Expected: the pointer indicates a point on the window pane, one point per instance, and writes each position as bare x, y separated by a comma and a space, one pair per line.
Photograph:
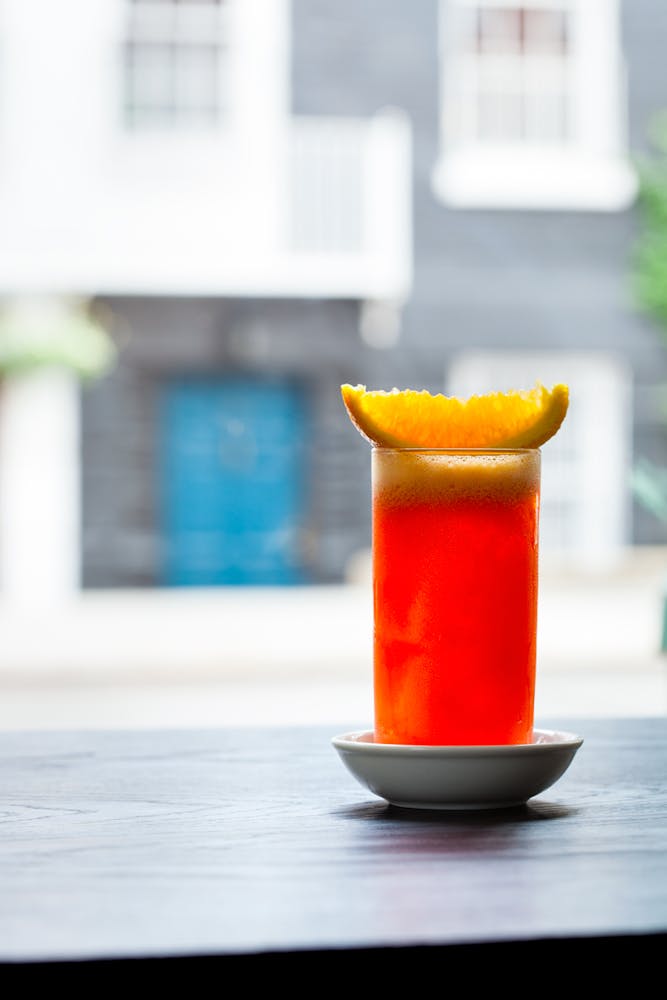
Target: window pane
547, 99
511, 78
180, 3
197, 77
500, 100
499, 30
149, 118
500, 117
546, 31
546, 118
149, 76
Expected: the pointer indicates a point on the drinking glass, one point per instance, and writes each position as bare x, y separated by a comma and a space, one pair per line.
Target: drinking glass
455, 589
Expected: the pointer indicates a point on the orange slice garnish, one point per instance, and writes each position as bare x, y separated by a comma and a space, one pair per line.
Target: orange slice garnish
415, 418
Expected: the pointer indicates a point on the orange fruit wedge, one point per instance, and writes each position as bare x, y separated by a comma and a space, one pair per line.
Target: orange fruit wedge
411, 418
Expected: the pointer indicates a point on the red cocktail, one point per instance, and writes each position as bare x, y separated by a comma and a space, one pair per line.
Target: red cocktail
455, 580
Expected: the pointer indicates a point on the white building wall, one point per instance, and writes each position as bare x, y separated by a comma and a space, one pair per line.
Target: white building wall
39, 488
89, 206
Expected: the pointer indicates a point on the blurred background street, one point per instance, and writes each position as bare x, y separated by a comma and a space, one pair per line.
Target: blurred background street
215, 212
303, 655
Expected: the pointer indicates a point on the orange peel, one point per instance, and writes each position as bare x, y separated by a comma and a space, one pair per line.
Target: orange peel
415, 418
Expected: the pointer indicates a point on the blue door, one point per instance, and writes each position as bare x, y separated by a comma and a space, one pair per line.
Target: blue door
232, 482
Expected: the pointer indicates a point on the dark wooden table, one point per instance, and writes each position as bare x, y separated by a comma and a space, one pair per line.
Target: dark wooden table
170, 852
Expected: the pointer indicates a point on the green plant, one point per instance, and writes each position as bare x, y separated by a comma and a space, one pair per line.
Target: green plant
650, 268
649, 276
38, 334
649, 484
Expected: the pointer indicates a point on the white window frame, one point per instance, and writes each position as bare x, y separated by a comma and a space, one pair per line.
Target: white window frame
256, 94
588, 172
174, 30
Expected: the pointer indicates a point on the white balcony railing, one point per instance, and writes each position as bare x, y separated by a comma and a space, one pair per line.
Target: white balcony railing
315, 206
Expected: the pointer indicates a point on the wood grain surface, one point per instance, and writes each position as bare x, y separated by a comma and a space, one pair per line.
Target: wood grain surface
247, 844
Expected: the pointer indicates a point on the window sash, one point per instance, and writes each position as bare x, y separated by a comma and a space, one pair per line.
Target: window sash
511, 95
175, 63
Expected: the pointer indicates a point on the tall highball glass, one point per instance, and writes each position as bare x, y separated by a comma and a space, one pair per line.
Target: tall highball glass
455, 588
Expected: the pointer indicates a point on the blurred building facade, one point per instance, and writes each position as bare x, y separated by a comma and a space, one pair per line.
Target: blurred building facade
268, 198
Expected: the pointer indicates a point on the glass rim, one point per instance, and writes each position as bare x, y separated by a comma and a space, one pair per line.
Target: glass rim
383, 449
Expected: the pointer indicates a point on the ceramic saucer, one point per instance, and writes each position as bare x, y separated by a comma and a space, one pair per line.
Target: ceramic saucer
458, 777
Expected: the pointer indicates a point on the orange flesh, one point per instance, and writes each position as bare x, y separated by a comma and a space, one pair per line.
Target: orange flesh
410, 418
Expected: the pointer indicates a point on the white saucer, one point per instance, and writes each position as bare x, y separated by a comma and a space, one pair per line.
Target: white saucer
457, 777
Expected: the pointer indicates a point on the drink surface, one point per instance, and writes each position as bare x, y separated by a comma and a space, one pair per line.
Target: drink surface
455, 549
